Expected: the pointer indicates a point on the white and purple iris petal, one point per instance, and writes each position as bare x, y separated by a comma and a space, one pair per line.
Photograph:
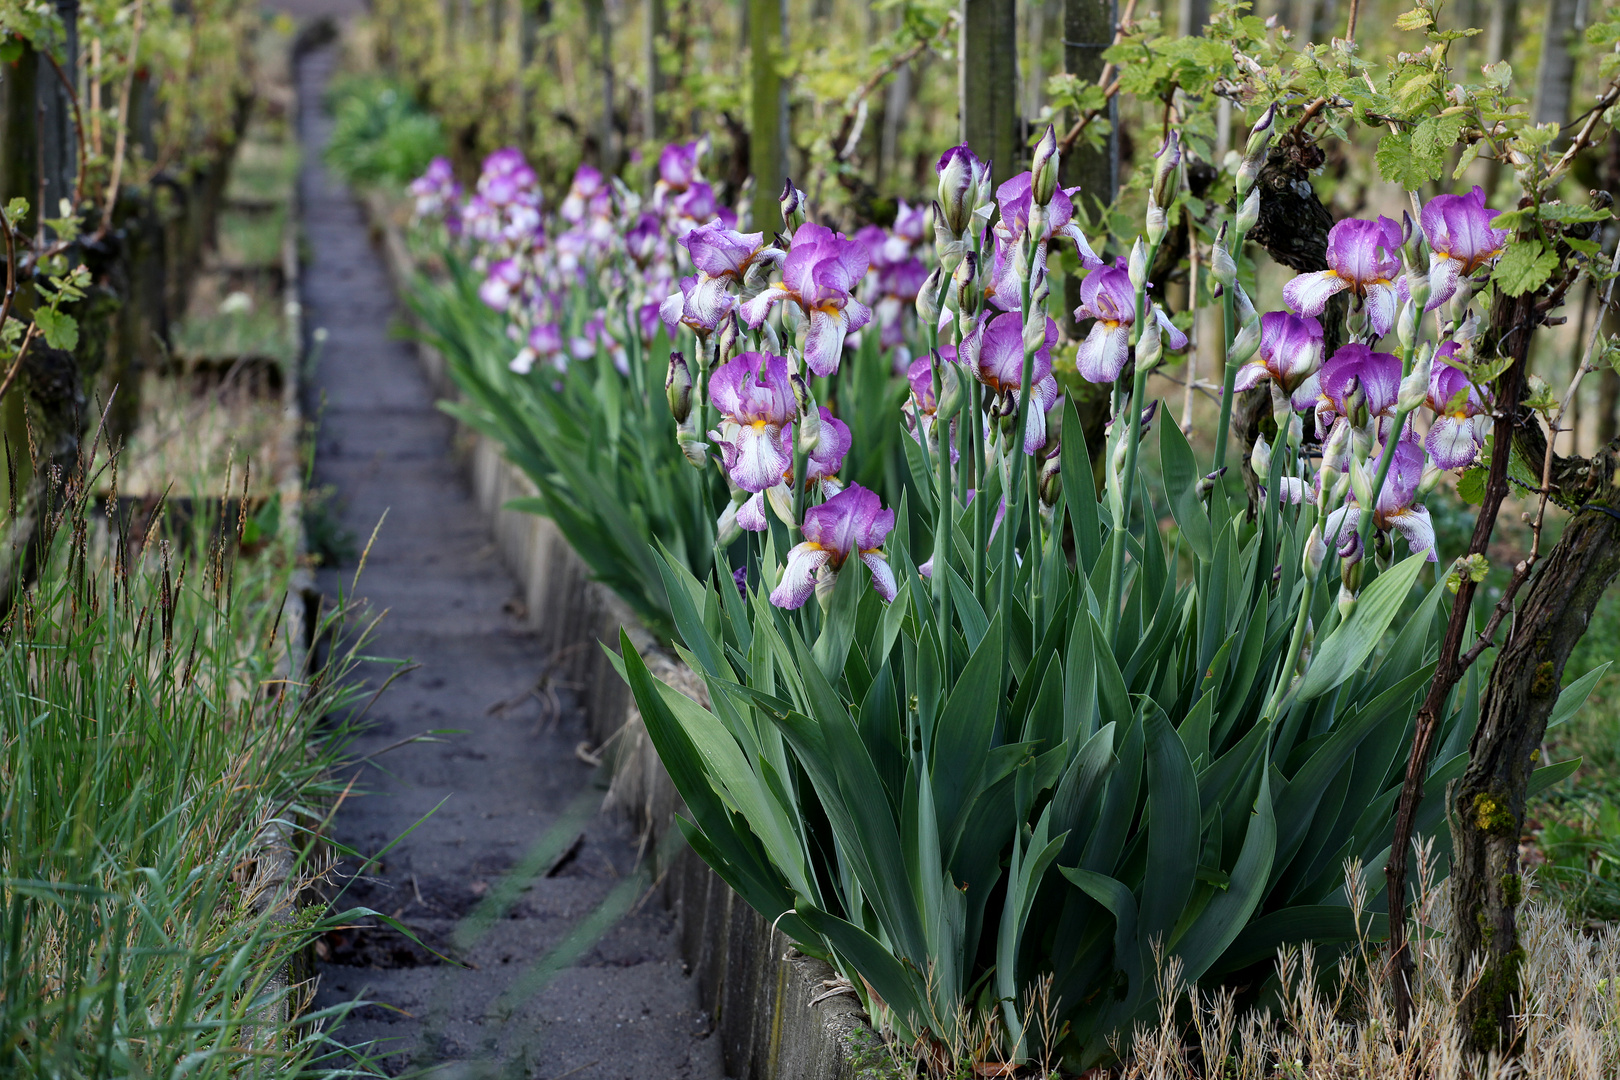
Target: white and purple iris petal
1461, 240
755, 399
1363, 257
1290, 353
819, 274
1352, 366
853, 522
1460, 413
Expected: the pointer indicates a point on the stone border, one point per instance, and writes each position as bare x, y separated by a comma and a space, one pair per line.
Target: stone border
759, 989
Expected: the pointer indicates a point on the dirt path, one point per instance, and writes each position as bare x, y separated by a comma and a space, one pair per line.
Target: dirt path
507, 789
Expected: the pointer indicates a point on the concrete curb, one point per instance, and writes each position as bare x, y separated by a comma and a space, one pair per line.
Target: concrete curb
758, 988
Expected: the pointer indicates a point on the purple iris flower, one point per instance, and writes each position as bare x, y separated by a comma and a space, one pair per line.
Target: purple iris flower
508, 178
1396, 510
718, 252
1016, 197
1362, 256
923, 405
587, 195
911, 223
1108, 296
694, 206
853, 522
898, 285
755, 400
1461, 413
1353, 366
1461, 240
701, 304
1290, 354
677, 165
820, 468
819, 274
641, 241
502, 285
647, 320
994, 355
544, 343
436, 190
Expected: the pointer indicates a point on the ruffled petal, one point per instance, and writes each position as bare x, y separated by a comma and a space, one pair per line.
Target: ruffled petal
1414, 524
1382, 304
824, 344
751, 514
758, 460
856, 315
799, 576
1088, 257
1308, 294
1341, 529
1444, 273
1174, 339
882, 574
1451, 442
755, 310
1103, 354
1251, 375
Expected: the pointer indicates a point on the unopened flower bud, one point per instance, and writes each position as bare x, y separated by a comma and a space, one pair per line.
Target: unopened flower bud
1206, 483
1350, 571
1315, 554
1361, 483
730, 339
773, 343
1149, 347
693, 448
726, 530
1415, 387
802, 397
1418, 285
1248, 213
1338, 445
1222, 266
1260, 458
1245, 345
1138, 265
807, 432
1156, 222
1050, 484
928, 299
1254, 153
951, 391
962, 278
1044, 168
792, 202
1406, 324
1347, 601
958, 186
1244, 307
678, 387
1431, 479
1167, 160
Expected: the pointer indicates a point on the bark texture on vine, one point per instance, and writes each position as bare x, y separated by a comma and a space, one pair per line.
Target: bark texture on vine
1488, 803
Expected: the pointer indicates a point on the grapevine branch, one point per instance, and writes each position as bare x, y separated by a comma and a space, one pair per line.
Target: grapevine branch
1107, 79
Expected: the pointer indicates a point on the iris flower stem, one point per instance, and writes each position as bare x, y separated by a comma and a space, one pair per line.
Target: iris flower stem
1302, 618
942, 507
1228, 378
980, 541
1009, 524
1387, 458
1132, 415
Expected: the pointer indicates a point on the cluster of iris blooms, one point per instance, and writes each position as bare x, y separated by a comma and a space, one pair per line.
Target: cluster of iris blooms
765, 314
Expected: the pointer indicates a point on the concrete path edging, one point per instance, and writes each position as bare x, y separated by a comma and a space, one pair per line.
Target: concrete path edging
758, 988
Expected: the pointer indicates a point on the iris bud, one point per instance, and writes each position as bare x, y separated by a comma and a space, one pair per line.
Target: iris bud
1406, 323
958, 183
1260, 458
1248, 213
1244, 307
792, 202
802, 397
730, 339
1254, 154
1149, 348
807, 432
1415, 387
1315, 554
1222, 266
1347, 601
1138, 265
1157, 224
928, 299
1044, 168
1245, 345
1431, 478
1361, 484
1050, 484
1164, 169
726, 530
678, 387
950, 390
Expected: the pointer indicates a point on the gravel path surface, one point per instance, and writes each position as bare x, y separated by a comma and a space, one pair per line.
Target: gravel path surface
506, 789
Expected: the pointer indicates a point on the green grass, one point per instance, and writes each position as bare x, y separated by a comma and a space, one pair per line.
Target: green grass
252, 238
155, 730
379, 133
